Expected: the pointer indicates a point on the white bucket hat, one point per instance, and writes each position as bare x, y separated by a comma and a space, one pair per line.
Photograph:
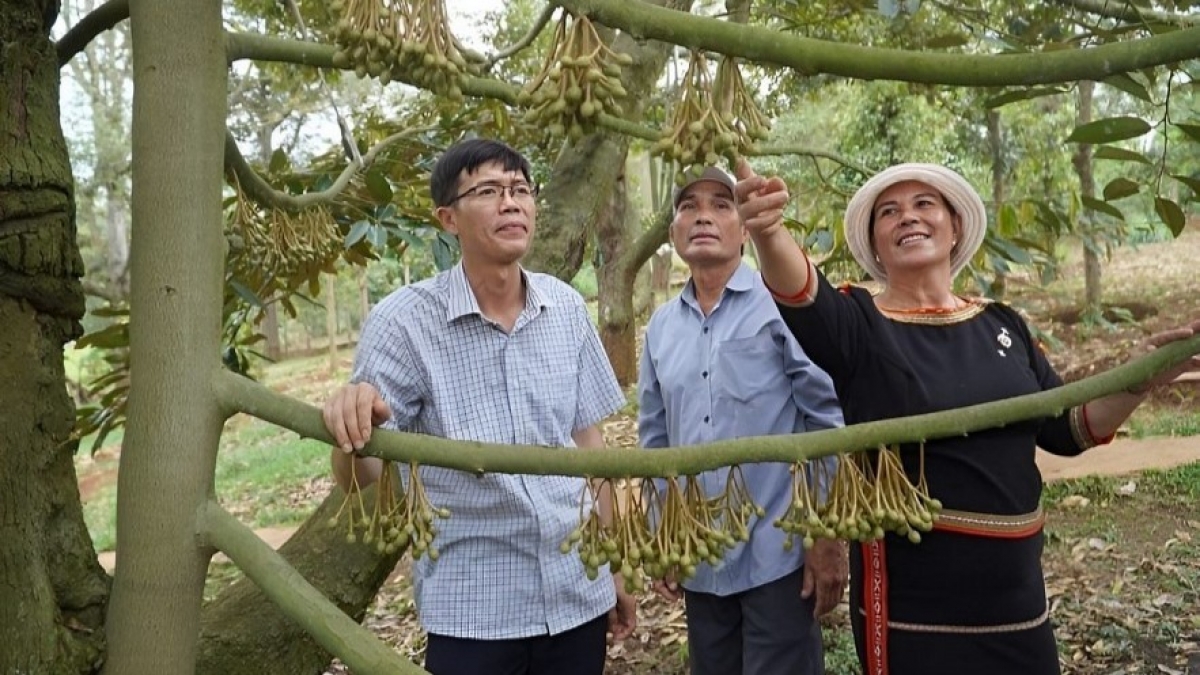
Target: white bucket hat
954, 188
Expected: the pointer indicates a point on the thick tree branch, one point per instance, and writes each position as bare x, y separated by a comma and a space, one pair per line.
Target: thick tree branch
1125, 11
239, 394
812, 57
81, 34
258, 189
648, 241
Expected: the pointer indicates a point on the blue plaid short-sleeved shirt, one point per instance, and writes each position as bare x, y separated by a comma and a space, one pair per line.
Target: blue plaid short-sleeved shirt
446, 370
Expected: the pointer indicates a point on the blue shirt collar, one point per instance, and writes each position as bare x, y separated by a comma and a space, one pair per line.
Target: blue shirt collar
742, 280
461, 299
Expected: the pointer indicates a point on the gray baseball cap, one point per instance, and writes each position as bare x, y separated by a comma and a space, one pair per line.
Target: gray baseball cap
696, 175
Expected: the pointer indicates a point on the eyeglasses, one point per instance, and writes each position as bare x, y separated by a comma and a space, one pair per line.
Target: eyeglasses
494, 192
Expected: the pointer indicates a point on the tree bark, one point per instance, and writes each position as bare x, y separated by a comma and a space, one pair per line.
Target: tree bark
174, 426
1087, 188
331, 322
242, 633
52, 590
995, 136
270, 313
616, 316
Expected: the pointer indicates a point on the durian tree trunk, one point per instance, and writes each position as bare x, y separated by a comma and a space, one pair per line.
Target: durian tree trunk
52, 590
624, 251
617, 323
174, 423
995, 138
1087, 187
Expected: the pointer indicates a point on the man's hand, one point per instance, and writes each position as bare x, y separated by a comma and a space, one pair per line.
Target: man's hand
668, 588
351, 413
622, 618
826, 570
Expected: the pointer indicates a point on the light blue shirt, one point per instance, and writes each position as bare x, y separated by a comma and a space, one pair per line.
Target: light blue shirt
445, 370
737, 372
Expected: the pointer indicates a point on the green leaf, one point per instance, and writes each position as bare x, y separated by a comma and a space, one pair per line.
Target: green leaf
279, 161
378, 236
409, 237
357, 232
110, 311
1103, 207
947, 41
1193, 183
1171, 214
245, 293
1119, 188
1109, 152
1109, 130
1011, 252
1009, 222
110, 337
444, 249
1192, 130
1019, 95
323, 182
1128, 85
378, 186
1049, 217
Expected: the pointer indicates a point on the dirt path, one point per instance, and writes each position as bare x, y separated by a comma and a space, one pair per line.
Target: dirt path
1121, 457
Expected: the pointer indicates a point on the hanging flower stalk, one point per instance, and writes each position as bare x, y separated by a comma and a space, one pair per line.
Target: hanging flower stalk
579, 80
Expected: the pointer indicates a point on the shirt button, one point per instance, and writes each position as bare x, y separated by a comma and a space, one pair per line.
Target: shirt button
706, 330
704, 374
706, 419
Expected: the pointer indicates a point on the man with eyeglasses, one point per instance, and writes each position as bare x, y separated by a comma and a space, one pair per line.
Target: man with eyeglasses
487, 351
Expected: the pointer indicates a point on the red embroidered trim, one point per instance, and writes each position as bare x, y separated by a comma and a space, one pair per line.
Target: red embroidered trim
1088, 426
875, 598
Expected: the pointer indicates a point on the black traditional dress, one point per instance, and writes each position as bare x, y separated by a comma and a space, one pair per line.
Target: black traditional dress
970, 596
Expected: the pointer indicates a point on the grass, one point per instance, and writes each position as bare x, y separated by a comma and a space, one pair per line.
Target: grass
263, 473
1149, 422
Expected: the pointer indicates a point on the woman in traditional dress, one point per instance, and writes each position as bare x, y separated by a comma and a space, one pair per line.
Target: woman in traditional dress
970, 596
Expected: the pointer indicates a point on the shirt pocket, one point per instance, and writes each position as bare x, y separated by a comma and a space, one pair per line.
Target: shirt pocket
748, 368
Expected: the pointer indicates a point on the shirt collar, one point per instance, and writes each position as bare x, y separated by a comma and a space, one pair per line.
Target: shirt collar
742, 280
461, 299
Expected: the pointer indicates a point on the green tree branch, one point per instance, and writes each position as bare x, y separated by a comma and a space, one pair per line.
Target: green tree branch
1127, 11
77, 38
257, 188
239, 394
812, 57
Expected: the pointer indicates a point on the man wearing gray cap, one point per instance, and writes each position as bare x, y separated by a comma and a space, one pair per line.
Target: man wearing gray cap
719, 363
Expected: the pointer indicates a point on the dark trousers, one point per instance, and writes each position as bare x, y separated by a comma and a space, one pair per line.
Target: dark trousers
768, 630
579, 651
